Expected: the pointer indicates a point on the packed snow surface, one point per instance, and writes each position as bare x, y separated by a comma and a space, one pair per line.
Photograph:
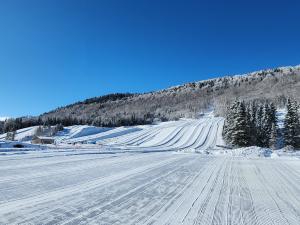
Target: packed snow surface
22, 134
171, 173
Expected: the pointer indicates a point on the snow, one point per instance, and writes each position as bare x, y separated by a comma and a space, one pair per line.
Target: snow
22, 134
9, 147
280, 114
170, 173
80, 131
3, 118
74, 187
104, 134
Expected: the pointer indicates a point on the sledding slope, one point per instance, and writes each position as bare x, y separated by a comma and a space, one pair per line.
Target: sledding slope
186, 135
71, 132
22, 134
193, 135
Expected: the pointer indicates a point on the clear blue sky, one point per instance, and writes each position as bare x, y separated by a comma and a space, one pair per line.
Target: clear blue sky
55, 52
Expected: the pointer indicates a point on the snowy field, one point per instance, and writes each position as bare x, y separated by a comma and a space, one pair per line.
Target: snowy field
174, 173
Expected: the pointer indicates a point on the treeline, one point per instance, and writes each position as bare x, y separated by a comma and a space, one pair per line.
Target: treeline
102, 99
106, 98
11, 125
113, 121
255, 124
47, 131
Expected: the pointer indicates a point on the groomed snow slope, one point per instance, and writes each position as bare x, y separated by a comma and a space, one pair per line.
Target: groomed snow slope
22, 134
89, 187
68, 133
188, 135
149, 175
195, 135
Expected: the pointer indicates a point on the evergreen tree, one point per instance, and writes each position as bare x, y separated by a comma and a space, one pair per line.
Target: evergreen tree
273, 113
267, 123
291, 124
273, 137
10, 136
229, 126
252, 123
240, 127
38, 131
259, 125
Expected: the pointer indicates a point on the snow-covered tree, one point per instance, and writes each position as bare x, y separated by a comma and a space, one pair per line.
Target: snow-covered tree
291, 124
229, 122
240, 127
38, 131
267, 123
273, 137
10, 136
250, 124
259, 125
252, 108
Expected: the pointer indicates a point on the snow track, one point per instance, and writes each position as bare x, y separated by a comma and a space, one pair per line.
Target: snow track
185, 135
148, 188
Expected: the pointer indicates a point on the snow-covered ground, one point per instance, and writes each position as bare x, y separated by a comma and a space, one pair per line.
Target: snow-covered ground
170, 173
194, 135
89, 187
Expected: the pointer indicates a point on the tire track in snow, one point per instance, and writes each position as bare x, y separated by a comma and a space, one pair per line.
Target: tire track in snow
246, 201
151, 205
72, 190
221, 207
275, 213
85, 165
19, 189
200, 198
98, 207
289, 202
207, 202
174, 210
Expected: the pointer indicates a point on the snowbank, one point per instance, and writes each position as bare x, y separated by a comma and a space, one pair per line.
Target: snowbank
10, 146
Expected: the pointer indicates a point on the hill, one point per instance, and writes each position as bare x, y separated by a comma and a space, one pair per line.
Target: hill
186, 100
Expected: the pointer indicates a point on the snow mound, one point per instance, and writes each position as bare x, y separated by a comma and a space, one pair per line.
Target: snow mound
79, 131
23, 135
12, 146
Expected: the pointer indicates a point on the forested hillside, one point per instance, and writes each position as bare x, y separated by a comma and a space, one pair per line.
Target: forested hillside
186, 100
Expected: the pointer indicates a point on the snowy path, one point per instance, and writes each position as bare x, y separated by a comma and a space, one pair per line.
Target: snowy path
57, 187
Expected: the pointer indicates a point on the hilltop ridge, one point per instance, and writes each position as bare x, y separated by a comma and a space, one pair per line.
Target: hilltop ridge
186, 100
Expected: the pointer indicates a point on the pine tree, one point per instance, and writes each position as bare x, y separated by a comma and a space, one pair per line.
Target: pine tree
38, 131
291, 124
273, 137
259, 125
10, 136
252, 123
228, 126
240, 127
268, 120
273, 113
